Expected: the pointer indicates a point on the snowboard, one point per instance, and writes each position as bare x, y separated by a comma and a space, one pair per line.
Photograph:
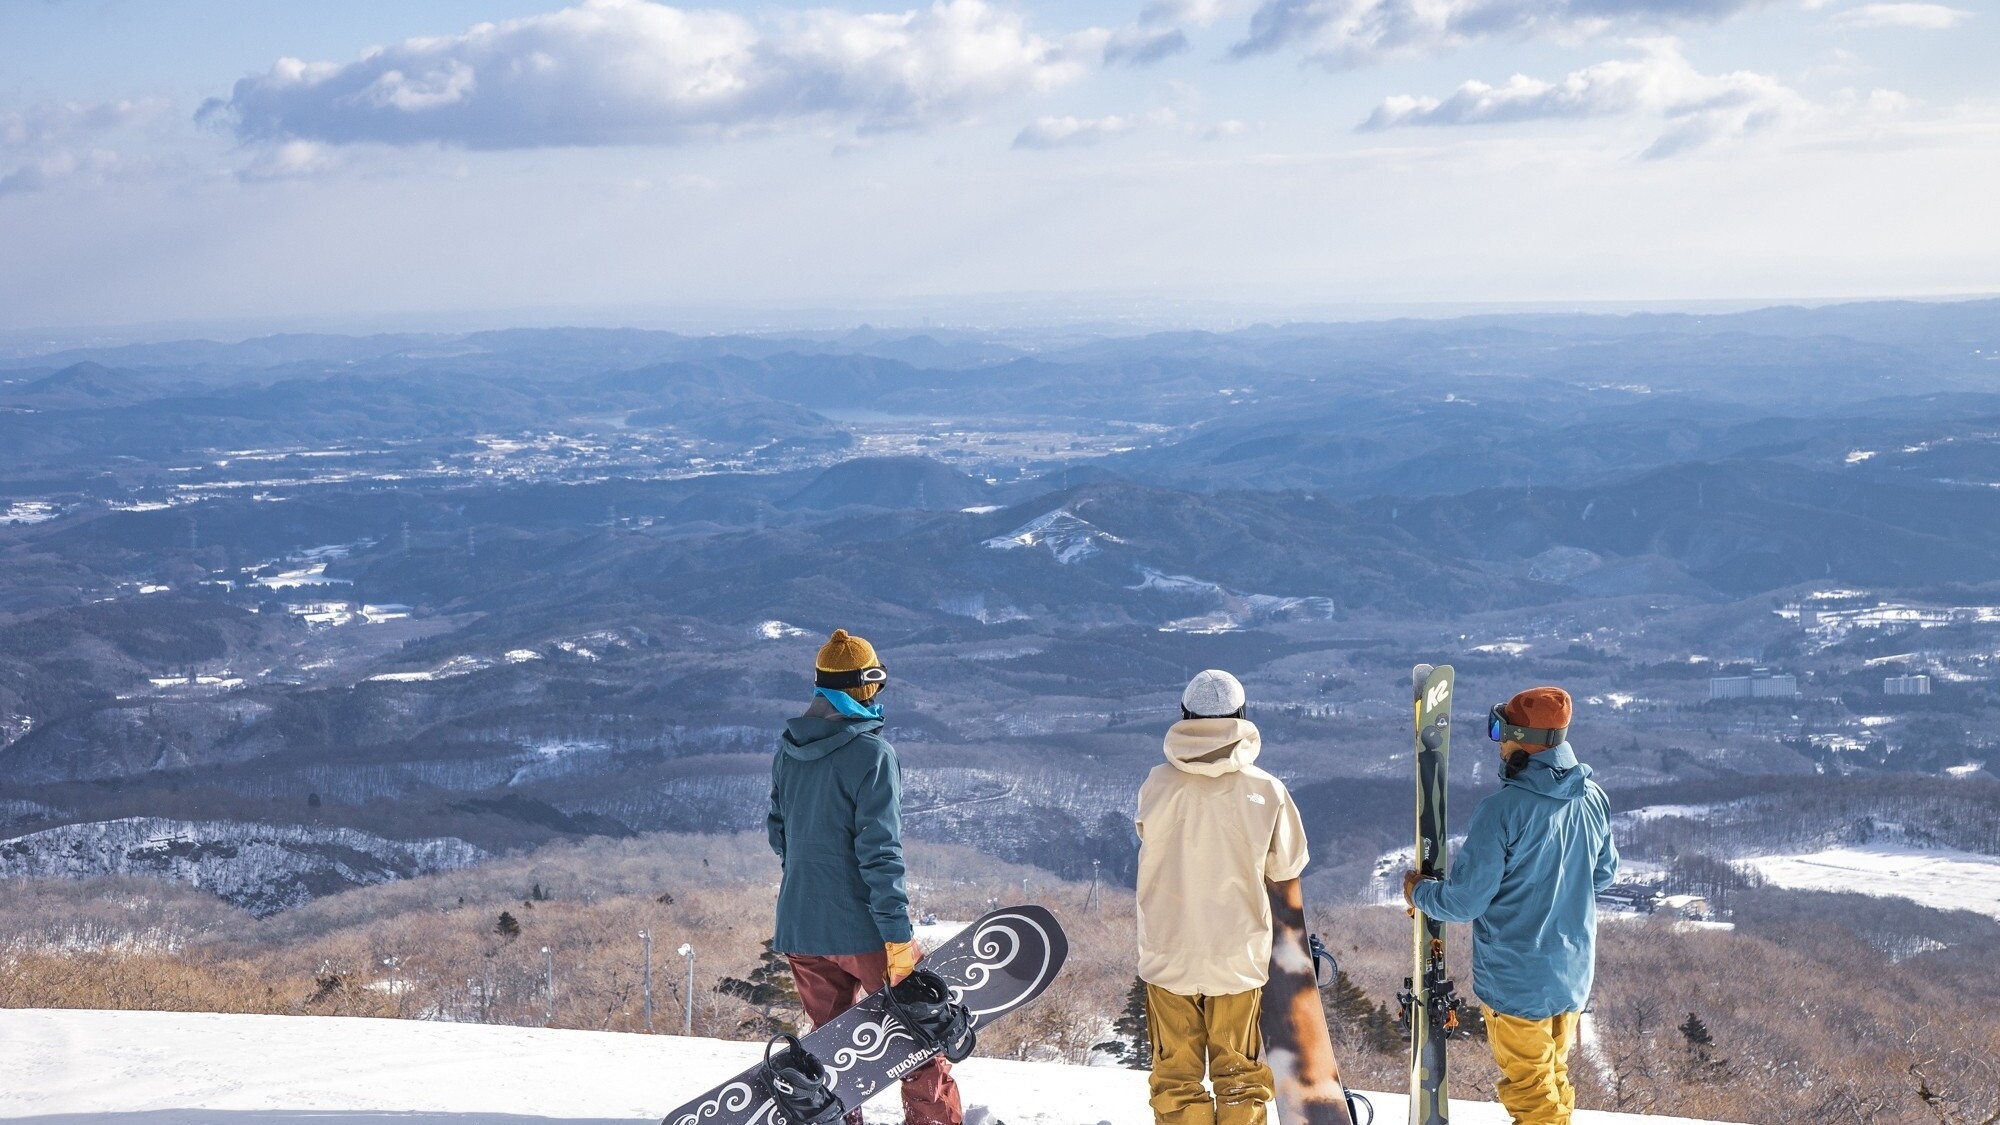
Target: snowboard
1430, 1004
993, 966
1297, 1045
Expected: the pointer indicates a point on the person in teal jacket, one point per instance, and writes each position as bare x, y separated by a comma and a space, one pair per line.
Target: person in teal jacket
836, 823
1535, 856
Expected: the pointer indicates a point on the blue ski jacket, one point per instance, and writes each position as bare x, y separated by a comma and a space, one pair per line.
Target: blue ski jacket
836, 823
1527, 878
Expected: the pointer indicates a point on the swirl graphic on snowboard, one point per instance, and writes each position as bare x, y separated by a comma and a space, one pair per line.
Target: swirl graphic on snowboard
993, 966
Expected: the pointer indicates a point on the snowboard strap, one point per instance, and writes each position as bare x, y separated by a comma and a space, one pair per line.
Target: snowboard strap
797, 1083
922, 1003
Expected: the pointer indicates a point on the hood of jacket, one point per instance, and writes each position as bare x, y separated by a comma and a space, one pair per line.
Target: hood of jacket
811, 737
1554, 773
1212, 747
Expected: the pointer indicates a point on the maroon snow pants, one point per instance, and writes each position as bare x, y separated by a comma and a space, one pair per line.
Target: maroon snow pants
830, 985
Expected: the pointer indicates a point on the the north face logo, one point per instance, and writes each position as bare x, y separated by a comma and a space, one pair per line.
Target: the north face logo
1257, 798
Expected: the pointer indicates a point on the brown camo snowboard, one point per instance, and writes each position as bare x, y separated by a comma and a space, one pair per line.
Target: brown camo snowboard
1297, 1045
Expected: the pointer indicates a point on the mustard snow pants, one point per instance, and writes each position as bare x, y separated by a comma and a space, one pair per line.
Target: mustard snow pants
1534, 1066
1212, 1036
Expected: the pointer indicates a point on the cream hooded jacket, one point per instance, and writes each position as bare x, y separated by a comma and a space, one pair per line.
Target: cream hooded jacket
1212, 829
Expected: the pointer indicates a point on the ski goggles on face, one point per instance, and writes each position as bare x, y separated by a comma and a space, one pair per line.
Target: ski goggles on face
859, 677
1500, 730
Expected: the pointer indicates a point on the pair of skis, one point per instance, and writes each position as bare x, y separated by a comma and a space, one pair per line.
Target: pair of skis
1430, 1002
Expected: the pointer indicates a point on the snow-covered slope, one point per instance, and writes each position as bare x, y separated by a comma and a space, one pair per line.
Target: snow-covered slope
261, 867
1936, 877
164, 1068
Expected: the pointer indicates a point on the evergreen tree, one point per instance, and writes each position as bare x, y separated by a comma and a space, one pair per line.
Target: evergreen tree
1346, 1001
1696, 1033
508, 926
1133, 1046
539, 895
1385, 1032
1701, 1059
1378, 1028
768, 988
312, 800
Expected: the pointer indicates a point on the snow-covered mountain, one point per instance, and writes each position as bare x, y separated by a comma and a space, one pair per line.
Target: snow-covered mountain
261, 867
169, 1068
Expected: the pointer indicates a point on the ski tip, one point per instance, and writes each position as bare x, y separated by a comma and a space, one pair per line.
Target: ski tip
1418, 675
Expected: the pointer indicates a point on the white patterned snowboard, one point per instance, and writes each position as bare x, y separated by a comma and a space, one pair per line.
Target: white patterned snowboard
993, 966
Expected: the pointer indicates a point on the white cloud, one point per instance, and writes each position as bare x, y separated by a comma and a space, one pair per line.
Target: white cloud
291, 160
616, 72
1918, 17
1068, 132
61, 169
1345, 33
1140, 43
1201, 13
1696, 109
58, 144
47, 124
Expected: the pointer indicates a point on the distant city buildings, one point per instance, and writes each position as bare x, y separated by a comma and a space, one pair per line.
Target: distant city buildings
1761, 683
1906, 685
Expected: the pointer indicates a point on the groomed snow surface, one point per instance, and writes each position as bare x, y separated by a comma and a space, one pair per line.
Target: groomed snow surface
170, 1068
1934, 877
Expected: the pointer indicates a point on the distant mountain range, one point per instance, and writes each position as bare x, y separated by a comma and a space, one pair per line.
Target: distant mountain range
512, 587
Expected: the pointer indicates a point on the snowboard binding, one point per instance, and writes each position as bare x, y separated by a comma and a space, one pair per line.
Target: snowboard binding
922, 1003
1325, 968
797, 1082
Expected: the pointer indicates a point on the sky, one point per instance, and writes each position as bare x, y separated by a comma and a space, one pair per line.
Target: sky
380, 163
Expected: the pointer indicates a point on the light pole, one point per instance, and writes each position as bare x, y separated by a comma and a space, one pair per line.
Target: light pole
549, 980
646, 938
687, 1021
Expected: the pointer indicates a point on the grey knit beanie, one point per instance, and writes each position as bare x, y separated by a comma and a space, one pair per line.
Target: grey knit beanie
1213, 694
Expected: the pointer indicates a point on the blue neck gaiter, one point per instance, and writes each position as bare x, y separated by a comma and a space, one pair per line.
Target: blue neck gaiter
848, 706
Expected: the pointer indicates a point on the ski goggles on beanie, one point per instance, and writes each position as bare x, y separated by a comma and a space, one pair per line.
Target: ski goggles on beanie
1499, 729
858, 677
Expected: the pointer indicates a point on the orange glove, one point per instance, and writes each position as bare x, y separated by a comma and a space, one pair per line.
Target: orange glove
903, 956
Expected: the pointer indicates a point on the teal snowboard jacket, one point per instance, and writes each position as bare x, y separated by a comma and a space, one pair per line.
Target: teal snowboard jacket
836, 823
1527, 878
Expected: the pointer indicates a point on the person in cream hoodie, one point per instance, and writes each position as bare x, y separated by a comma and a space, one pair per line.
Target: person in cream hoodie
1213, 829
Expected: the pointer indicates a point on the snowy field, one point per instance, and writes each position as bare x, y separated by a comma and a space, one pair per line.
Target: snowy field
1934, 877
165, 1068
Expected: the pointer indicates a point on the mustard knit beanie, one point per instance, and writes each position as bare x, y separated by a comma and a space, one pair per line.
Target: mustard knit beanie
844, 652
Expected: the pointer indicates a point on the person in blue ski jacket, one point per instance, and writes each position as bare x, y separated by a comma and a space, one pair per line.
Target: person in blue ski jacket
1535, 856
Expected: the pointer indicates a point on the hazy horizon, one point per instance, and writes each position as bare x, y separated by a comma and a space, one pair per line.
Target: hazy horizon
1025, 315
319, 164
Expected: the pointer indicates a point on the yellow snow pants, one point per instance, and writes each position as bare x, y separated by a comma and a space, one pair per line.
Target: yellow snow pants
1212, 1036
1534, 1066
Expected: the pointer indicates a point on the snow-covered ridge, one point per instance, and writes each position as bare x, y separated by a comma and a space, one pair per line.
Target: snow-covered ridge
197, 1069
1236, 608
261, 867
1068, 536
